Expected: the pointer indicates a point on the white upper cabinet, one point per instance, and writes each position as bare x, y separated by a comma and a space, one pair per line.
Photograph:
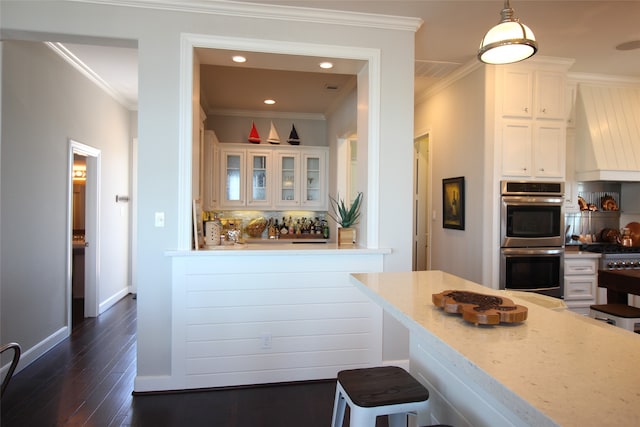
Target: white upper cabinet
550, 95
517, 95
287, 194
533, 150
273, 177
533, 94
233, 179
302, 179
314, 183
210, 171
549, 145
516, 148
259, 182
531, 121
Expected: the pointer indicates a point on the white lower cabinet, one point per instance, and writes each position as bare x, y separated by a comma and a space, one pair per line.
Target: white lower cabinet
580, 282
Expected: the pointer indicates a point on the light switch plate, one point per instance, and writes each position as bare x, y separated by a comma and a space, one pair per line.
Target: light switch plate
159, 219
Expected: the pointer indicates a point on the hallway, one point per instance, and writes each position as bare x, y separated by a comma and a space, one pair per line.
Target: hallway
88, 380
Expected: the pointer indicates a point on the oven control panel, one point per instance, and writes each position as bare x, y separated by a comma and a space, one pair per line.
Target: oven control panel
620, 263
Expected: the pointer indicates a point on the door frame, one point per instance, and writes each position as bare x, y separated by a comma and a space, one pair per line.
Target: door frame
92, 227
422, 215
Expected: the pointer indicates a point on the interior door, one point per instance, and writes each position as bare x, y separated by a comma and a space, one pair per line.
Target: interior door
422, 203
91, 226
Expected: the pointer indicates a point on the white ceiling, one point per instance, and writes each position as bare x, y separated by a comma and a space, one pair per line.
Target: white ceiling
587, 31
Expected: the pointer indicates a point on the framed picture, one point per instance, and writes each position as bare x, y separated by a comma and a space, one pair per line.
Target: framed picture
453, 203
198, 232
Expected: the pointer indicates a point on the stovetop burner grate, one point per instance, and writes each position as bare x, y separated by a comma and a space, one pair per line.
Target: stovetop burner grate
608, 248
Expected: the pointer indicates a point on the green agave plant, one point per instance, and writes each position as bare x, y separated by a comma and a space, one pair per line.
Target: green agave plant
343, 215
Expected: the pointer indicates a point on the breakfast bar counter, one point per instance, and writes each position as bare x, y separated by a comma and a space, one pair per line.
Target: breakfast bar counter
555, 368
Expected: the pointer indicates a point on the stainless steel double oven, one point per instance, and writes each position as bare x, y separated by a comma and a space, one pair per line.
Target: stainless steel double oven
532, 237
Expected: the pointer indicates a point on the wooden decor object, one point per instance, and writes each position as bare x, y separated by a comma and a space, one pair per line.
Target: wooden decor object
480, 308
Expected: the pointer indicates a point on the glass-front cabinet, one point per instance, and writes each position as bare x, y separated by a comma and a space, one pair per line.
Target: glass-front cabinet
259, 184
288, 182
314, 192
273, 178
233, 177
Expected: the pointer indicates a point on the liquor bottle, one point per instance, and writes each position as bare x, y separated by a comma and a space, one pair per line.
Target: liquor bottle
325, 229
283, 228
291, 226
272, 228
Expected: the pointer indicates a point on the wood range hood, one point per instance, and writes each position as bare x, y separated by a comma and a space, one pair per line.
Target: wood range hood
607, 133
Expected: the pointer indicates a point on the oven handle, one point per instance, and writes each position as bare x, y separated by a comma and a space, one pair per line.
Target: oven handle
532, 200
532, 251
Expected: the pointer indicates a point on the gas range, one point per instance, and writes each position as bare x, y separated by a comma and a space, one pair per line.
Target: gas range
615, 257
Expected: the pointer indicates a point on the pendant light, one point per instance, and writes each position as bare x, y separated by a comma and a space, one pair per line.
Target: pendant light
509, 41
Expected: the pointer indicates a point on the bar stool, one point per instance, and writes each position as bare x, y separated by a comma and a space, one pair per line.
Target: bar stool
370, 392
622, 315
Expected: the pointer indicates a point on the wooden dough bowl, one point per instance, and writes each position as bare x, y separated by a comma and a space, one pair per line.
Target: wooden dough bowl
480, 308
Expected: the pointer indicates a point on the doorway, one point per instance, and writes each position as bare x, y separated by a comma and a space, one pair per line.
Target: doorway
421, 203
83, 235
78, 210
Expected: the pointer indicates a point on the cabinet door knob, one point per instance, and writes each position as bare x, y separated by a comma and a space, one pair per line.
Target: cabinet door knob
544, 110
526, 109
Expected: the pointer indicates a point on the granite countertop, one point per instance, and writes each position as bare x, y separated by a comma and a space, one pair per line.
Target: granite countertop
572, 369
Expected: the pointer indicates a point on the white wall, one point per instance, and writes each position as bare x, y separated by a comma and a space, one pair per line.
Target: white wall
160, 121
456, 118
46, 102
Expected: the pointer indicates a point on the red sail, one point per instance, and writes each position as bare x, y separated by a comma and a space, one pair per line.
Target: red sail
254, 137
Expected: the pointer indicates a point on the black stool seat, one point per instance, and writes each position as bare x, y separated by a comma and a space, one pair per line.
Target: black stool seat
381, 386
620, 310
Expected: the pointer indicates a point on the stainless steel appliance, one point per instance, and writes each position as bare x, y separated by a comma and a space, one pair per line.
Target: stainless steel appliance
539, 270
615, 256
531, 214
532, 237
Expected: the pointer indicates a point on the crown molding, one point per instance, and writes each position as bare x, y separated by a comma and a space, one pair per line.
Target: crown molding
266, 114
262, 11
603, 79
86, 71
456, 75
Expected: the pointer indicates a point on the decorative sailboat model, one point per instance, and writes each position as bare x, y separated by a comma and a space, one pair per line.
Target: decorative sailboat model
254, 137
293, 136
273, 138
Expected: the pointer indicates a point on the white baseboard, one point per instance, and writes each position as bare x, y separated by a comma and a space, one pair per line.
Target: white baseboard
28, 356
110, 302
143, 384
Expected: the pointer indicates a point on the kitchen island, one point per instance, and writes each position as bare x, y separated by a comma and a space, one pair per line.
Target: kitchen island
555, 368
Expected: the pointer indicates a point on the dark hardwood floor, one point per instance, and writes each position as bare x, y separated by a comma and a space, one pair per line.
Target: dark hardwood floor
88, 380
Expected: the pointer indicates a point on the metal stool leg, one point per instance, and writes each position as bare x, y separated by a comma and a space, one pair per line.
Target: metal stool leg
398, 420
339, 406
14, 363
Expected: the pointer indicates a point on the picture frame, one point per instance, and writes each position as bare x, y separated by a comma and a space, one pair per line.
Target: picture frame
453, 203
198, 226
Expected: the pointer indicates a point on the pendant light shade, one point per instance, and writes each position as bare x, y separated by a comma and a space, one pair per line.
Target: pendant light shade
509, 41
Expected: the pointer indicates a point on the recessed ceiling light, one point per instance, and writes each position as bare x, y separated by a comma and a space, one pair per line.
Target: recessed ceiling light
634, 44
326, 65
239, 59
269, 101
